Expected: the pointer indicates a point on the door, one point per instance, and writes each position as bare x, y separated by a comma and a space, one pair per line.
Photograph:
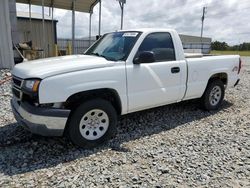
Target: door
159, 82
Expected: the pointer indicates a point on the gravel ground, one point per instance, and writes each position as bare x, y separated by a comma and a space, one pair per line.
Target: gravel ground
172, 146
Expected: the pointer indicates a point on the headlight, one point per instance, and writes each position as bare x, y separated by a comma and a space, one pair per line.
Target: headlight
31, 85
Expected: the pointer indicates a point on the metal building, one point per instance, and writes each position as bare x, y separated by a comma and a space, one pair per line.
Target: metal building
73, 5
31, 29
195, 44
9, 27
6, 52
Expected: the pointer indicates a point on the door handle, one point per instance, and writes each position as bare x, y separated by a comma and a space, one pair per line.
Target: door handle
175, 70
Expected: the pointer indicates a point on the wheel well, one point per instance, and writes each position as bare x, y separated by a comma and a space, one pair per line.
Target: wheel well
221, 76
107, 94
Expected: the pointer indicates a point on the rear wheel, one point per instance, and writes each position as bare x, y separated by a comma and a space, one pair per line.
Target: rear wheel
213, 95
92, 123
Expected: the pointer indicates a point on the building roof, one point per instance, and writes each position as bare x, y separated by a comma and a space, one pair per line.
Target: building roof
194, 39
80, 5
38, 16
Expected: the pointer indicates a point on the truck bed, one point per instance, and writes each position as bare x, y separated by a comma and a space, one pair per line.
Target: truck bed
200, 69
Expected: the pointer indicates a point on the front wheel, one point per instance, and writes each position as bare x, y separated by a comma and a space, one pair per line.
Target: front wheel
213, 95
92, 123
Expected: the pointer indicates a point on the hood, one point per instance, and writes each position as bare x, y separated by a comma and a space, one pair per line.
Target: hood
43, 68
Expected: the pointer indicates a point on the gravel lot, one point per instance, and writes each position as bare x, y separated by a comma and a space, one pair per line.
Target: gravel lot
177, 145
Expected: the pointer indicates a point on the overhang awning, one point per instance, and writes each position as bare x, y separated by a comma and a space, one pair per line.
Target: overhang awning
80, 5
74, 5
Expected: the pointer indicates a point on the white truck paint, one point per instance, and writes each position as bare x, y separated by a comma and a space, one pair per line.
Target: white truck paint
139, 86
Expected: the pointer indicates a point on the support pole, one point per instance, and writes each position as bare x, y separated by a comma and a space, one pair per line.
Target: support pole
122, 16
52, 19
121, 3
73, 26
90, 24
44, 45
30, 19
54, 47
100, 17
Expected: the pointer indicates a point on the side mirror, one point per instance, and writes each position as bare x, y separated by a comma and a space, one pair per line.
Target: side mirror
145, 57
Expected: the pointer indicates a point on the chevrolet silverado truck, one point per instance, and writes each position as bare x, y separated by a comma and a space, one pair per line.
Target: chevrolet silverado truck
126, 71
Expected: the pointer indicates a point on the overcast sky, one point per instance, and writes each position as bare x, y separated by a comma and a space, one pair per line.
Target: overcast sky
226, 20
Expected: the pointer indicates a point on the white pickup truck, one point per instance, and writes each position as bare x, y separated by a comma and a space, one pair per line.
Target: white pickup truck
123, 72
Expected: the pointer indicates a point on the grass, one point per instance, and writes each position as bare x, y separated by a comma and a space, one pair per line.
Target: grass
241, 53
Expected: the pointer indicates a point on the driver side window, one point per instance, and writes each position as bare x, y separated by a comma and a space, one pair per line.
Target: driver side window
160, 44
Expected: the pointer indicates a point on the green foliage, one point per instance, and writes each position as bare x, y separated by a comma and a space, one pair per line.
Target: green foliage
227, 52
217, 45
242, 47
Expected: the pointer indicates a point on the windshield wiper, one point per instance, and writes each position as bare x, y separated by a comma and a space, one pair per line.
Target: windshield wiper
96, 54
100, 55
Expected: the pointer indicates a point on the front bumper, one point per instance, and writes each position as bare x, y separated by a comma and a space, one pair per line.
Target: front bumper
42, 121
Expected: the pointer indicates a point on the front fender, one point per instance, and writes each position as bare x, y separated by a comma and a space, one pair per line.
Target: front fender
59, 88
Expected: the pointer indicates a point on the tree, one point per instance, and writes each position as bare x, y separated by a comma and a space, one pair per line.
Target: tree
219, 45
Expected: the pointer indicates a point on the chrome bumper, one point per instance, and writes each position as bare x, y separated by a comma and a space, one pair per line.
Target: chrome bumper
42, 121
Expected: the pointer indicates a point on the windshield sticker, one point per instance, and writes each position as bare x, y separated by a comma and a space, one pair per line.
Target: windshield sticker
131, 34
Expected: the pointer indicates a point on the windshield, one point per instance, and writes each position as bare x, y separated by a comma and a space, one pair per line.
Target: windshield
114, 46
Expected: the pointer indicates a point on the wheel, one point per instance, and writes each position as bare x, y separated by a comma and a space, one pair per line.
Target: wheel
213, 95
92, 123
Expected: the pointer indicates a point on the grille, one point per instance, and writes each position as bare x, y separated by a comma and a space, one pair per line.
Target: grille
16, 92
16, 87
17, 82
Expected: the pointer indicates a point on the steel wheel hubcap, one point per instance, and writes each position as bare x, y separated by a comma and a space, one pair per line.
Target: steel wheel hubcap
215, 96
94, 124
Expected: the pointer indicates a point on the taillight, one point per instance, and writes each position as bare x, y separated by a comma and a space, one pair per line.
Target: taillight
240, 65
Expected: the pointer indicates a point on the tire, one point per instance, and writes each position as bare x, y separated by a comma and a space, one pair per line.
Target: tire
213, 95
92, 123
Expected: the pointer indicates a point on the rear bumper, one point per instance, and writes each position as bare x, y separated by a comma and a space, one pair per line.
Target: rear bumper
42, 121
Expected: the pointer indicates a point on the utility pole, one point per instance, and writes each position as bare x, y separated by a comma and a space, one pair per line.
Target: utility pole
73, 26
100, 18
122, 2
202, 24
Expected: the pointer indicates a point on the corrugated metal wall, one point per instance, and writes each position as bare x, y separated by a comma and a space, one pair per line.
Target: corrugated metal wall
13, 22
6, 52
80, 44
194, 39
205, 48
35, 33
193, 43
